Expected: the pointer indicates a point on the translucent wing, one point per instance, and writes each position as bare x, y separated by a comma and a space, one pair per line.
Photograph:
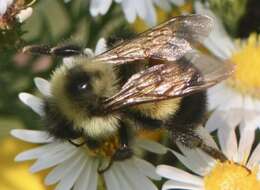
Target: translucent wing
168, 41
192, 73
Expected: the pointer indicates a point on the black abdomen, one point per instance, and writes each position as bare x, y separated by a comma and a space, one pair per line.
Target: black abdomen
191, 111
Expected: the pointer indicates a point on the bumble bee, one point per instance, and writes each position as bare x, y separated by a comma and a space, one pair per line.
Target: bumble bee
156, 80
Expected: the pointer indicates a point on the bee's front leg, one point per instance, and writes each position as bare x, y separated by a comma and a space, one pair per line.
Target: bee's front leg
76, 144
124, 151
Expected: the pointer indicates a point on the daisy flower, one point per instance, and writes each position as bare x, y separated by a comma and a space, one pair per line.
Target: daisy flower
4, 5
237, 100
77, 167
240, 171
145, 9
14, 10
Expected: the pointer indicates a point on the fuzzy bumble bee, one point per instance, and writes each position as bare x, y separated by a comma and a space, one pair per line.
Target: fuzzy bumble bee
156, 80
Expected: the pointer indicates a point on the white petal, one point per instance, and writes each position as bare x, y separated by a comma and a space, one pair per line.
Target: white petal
43, 86
215, 121
251, 120
141, 8
35, 103
151, 146
215, 95
68, 61
235, 101
255, 157
207, 138
101, 46
178, 175
62, 169
4, 5
150, 16
178, 2
224, 119
129, 10
138, 180
191, 164
88, 52
211, 162
24, 14
165, 4
70, 178
146, 168
257, 104
251, 115
199, 159
37, 152
3, 8
224, 98
248, 103
88, 179
111, 179
218, 42
52, 160
228, 142
122, 180
106, 5
215, 48
32, 136
247, 137
99, 7
178, 185
57, 148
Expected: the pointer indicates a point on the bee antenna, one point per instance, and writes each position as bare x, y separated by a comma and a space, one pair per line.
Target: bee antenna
37, 49
60, 51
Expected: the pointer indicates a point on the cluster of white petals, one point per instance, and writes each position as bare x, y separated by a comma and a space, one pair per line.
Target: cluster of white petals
202, 164
145, 9
4, 4
231, 107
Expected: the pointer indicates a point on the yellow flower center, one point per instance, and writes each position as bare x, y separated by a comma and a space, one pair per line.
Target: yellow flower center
107, 148
231, 176
110, 145
246, 78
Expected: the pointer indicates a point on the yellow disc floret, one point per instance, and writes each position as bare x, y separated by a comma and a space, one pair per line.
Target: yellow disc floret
107, 149
246, 79
231, 176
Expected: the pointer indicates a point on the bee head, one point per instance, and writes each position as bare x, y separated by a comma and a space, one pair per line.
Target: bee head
80, 88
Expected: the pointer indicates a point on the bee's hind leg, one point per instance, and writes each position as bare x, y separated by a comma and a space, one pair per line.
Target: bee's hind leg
187, 136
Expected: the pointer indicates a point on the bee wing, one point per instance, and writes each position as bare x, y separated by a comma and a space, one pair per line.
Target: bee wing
192, 73
168, 41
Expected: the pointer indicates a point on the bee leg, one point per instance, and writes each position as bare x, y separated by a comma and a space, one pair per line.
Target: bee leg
76, 144
188, 137
60, 51
102, 170
123, 152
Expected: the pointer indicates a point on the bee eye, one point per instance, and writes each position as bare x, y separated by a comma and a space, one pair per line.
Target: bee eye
82, 86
